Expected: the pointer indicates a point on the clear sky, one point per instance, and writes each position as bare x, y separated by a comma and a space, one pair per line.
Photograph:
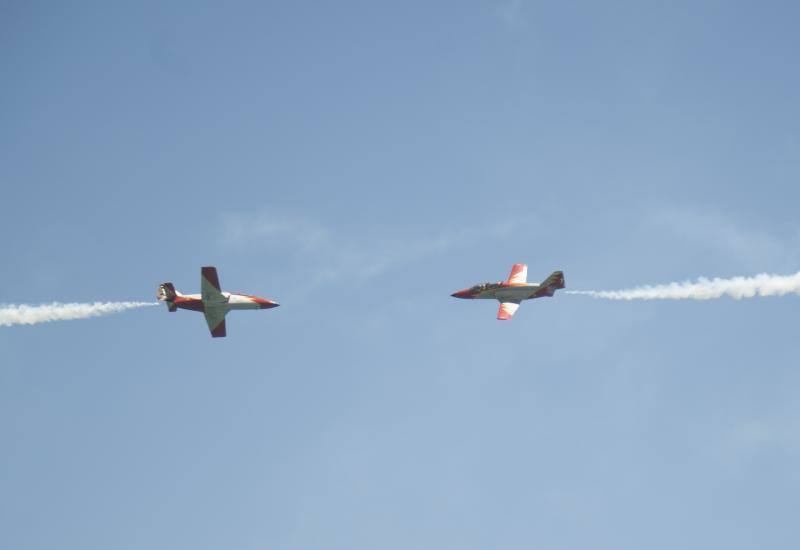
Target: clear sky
358, 162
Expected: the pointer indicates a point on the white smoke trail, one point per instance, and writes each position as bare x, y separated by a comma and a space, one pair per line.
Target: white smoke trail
24, 314
706, 289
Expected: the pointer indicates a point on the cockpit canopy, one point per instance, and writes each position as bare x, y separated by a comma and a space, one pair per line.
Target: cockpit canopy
485, 286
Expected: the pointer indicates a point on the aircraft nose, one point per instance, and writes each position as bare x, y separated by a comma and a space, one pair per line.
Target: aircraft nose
462, 294
266, 304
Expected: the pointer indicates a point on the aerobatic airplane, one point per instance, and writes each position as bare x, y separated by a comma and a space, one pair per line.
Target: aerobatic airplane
214, 303
511, 292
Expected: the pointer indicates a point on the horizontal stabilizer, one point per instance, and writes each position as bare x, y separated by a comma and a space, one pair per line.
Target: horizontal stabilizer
166, 292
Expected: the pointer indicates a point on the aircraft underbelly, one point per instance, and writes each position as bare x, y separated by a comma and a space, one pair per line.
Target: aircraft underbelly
514, 294
243, 305
237, 301
191, 305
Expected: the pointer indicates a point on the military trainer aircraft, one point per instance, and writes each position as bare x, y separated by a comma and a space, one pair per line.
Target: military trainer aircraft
511, 292
214, 303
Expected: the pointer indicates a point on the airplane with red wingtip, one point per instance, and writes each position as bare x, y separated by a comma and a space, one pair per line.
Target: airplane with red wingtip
513, 291
214, 303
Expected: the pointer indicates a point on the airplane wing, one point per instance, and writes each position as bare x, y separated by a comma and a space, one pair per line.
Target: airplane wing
507, 310
519, 274
215, 317
209, 286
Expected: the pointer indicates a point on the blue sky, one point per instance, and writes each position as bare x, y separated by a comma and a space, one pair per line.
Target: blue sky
358, 162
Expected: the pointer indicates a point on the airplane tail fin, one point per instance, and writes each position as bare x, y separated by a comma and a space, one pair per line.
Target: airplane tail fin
167, 293
554, 282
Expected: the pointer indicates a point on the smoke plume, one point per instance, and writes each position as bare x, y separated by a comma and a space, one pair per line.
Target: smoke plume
706, 289
24, 314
